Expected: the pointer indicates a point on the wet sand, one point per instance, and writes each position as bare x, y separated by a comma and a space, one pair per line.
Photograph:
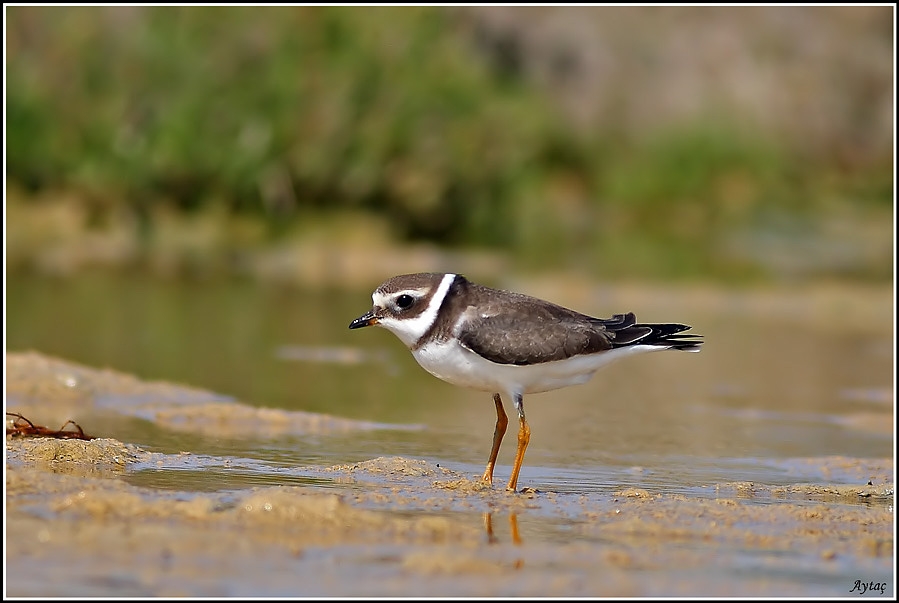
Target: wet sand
395, 526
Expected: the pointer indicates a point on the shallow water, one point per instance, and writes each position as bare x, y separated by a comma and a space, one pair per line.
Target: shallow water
792, 387
768, 385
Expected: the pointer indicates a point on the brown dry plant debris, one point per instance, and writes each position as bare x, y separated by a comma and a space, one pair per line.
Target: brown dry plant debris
22, 427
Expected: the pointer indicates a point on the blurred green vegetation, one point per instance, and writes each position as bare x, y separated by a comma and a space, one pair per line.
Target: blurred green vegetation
277, 117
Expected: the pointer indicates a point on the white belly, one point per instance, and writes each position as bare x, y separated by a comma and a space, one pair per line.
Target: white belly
458, 365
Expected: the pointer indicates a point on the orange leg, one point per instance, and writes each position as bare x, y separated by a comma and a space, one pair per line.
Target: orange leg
501, 422
524, 436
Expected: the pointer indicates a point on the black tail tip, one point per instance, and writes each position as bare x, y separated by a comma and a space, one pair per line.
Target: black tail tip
684, 342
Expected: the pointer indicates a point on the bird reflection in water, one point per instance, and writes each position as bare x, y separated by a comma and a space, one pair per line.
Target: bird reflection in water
513, 528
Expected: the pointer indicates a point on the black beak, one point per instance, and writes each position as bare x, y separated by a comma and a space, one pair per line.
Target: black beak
366, 320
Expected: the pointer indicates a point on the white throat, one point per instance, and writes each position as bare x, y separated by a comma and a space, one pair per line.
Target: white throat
410, 330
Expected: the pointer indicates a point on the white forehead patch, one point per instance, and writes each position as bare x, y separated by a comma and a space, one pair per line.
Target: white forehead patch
380, 299
410, 330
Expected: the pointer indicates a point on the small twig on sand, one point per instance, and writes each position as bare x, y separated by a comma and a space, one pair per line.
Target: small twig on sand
22, 427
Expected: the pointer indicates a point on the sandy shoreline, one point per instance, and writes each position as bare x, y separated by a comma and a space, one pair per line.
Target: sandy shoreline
402, 527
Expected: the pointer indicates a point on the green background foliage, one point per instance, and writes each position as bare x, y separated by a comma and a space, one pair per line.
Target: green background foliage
437, 122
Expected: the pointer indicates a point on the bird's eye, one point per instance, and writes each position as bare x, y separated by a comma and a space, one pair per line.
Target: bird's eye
404, 302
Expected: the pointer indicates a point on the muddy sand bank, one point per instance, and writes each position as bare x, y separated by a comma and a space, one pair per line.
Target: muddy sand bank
77, 525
